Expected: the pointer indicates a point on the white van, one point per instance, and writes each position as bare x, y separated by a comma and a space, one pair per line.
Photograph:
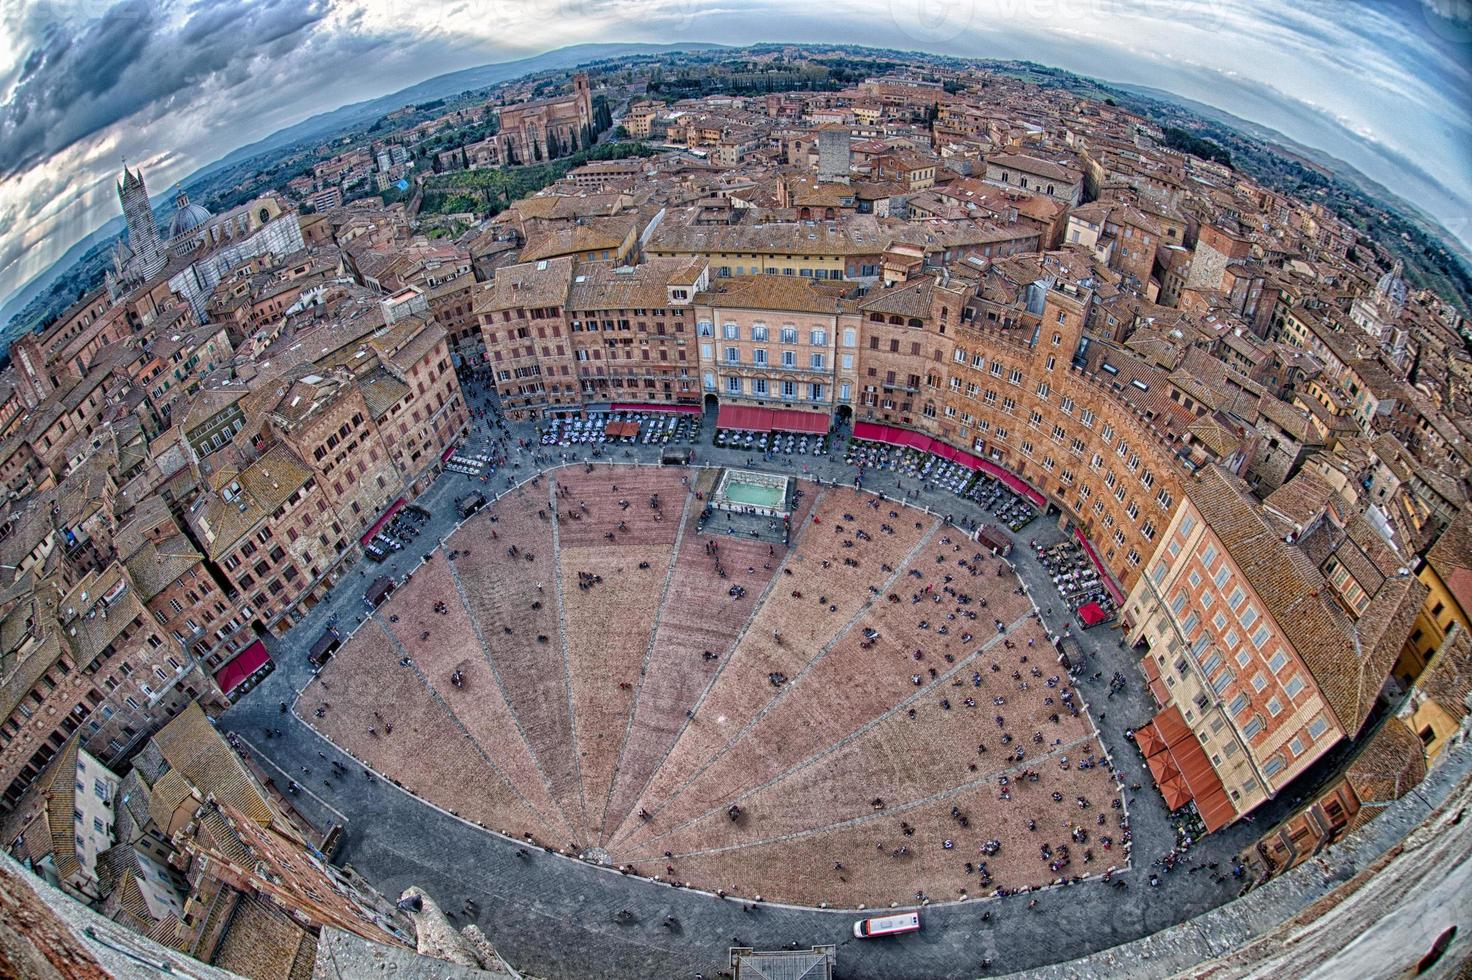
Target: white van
887, 925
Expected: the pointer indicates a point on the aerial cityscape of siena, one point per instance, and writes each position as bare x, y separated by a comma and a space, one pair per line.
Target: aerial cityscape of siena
896, 491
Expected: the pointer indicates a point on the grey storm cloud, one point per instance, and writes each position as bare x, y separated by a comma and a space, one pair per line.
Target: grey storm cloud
134, 57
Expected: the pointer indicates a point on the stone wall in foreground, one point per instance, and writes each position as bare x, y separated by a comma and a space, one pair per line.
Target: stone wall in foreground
1372, 905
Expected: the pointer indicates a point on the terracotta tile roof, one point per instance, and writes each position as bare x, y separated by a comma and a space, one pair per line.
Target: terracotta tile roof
1451, 558
1447, 680
265, 486
23, 673
1291, 420
1033, 165
859, 235
1348, 661
411, 344
528, 284
1215, 436
601, 286
381, 391
795, 294
167, 797
264, 943
195, 750
153, 567
1301, 499
1390, 765
595, 235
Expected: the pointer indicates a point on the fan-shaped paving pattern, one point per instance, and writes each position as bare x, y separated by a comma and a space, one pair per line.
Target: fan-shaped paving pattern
878, 676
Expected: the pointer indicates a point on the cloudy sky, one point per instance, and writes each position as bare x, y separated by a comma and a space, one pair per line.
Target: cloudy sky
175, 84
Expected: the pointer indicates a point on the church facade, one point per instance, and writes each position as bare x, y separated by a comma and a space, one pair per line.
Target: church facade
547, 128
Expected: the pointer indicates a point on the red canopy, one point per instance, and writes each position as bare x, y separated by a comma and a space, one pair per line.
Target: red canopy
741, 417
1104, 574
753, 419
1175, 792
1185, 760
1149, 741
790, 420
1152, 679
895, 436
247, 662
445, 456
388, 515
1092, 614
1013, 482
627, 407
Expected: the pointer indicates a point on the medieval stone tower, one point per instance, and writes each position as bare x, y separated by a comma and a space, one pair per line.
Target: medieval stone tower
143, 241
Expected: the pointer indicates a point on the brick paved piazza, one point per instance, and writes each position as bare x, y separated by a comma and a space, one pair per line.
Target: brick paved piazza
877, 716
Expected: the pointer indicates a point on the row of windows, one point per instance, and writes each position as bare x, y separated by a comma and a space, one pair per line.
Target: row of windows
759, 357
761, 388
759, 332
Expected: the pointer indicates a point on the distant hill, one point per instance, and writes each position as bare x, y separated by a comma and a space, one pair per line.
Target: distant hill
441, 86
321, 126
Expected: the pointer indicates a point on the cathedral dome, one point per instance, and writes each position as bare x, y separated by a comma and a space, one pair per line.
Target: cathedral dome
1392, 288
188, 218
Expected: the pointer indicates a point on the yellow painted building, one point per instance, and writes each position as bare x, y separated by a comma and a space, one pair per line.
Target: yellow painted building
1438, 705
1447, 573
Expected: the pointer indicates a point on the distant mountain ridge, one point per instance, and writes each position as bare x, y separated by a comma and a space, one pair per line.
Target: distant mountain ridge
440, 87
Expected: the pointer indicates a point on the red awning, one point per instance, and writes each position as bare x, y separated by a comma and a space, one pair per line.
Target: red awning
1092, 614
1163, 766
1153, 681
741, 417
1188, 764
445, 456
752, 419
791, 420
1013, 482
1171, 726
1216, 810
1104, 574
1175, 792
626, 407
388, 515
895, 436
1148, 740
247, 662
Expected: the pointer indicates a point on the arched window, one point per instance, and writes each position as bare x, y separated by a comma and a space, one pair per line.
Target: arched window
898, 321
916, 322
876, 317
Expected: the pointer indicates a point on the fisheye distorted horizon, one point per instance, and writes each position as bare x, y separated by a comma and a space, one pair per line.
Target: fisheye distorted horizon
175, 86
